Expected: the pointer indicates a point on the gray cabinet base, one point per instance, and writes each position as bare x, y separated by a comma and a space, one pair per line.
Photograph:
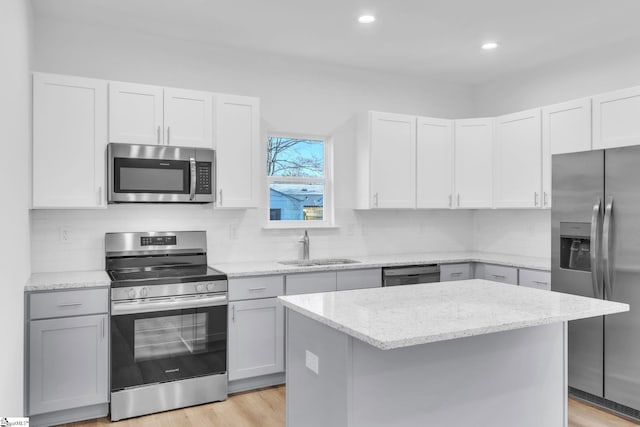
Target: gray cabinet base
144, 400
256, 382
69, 415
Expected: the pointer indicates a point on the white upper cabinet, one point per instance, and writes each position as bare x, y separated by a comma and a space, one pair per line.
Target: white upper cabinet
237, 143
69, 141
518, 160
616, 119
566, 127
135, 113
387, 161
434, 169
473, 153
188, 118
144, 114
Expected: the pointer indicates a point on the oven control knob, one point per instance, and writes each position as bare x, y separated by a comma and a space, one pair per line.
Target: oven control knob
144, 292
200, 288
132, 293
211, 287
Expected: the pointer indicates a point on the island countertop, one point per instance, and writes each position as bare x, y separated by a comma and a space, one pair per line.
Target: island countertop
403, 316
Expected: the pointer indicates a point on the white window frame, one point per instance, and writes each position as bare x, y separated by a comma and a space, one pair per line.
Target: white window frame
327, 181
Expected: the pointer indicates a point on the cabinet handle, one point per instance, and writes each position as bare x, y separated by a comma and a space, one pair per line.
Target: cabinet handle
458, 199
546, 203
168, 135
158, 134
540, 282
457, 273
499, 276
450, 199
69, 304
233, 313
375, 200
220, 196
99, 195
102, 327
535, 198
257, 289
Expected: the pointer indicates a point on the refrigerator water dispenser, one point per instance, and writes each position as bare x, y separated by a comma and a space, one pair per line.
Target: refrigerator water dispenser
575, 246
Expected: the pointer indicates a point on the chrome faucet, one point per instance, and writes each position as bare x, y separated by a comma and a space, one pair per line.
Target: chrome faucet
305, 245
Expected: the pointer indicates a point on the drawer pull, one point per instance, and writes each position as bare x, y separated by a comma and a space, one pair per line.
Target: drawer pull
457, 273
499, 276
540, 283
257, 289
70, 304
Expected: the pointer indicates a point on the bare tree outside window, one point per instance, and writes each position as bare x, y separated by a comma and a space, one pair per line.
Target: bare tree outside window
295, 157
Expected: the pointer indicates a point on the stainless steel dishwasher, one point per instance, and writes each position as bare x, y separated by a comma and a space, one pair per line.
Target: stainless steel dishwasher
410, 275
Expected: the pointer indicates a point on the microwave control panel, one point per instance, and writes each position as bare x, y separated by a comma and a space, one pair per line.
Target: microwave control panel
203, 177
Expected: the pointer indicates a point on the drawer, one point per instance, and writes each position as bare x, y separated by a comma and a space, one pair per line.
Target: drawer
256, 287
309, 283
449, 272
538, 279
68, 303
359, 279
500, 273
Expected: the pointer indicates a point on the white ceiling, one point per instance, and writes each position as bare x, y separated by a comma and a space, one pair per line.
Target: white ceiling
437, 39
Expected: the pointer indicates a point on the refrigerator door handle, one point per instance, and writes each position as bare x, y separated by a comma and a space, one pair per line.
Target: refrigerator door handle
607, 250
595, 247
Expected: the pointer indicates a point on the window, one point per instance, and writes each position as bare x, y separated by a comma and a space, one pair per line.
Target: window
298, 179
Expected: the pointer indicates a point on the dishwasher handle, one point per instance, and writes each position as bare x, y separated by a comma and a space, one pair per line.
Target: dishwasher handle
414, 270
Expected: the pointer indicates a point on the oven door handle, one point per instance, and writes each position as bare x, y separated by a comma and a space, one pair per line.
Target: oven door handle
120, 308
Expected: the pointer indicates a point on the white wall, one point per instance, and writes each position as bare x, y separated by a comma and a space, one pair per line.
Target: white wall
296, 97
15, 51
585, 74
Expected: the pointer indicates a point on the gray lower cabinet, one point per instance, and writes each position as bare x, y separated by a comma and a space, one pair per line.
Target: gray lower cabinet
497, 273
538, 279
358, 279
256, 338
67, 354
459, 271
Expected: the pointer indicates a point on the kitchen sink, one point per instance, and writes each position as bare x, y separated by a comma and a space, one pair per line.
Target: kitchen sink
320, 261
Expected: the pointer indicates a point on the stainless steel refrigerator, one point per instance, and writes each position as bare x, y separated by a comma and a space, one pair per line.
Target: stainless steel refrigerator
595, 252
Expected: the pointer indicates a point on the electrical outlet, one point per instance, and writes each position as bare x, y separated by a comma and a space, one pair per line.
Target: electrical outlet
312, 362
233, 231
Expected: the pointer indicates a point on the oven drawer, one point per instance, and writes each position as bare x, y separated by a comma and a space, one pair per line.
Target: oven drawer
68, 303
256, 287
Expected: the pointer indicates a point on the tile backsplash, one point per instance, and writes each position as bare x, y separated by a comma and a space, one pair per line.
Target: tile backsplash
238, 235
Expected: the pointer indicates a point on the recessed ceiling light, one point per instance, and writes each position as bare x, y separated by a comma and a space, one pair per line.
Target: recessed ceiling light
366, 19
489, 45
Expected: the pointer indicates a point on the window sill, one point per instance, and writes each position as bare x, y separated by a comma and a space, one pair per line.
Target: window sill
290, 226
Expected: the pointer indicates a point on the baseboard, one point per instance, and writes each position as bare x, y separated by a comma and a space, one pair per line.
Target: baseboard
69, 415
247, 384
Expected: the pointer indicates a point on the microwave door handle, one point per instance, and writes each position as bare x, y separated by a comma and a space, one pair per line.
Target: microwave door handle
192, 189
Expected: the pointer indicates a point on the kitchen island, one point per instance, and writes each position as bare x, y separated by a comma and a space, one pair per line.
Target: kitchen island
467, 353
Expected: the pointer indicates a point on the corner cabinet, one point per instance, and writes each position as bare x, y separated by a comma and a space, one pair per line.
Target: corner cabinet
69, 141
615, 119
518, 160
238, 153
473, 155
145, 114
68, 355
434, 169
386, 161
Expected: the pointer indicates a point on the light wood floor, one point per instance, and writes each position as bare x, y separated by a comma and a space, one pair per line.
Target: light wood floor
265, 408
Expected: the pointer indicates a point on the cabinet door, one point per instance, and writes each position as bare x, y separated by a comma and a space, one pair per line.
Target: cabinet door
518, 160
358, 279
434, 169
188, 118
566, 128
69, 140
238, 153
256, 338
309, 283
616, 119
393, 163
474, 163
68, 363
135, 113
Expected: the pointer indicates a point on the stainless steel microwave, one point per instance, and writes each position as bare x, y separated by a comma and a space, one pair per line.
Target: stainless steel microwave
160, 174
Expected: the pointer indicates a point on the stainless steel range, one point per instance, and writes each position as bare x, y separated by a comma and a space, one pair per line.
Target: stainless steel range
168, 323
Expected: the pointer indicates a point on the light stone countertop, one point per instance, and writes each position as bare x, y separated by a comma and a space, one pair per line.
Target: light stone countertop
403, 316
258, 268
67, 280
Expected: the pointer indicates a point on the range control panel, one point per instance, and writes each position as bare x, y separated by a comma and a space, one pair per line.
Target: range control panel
158, 241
